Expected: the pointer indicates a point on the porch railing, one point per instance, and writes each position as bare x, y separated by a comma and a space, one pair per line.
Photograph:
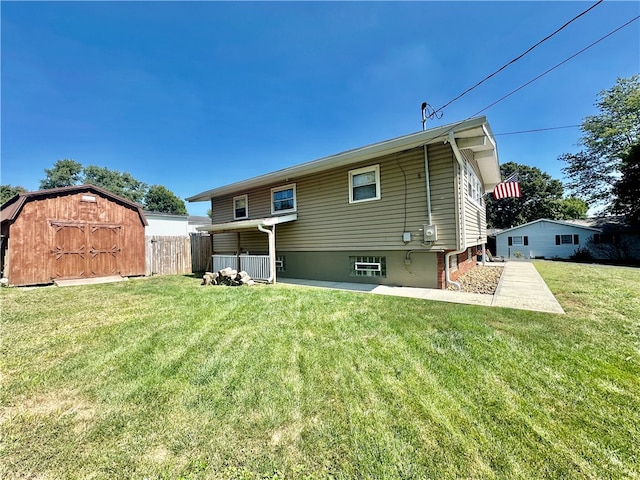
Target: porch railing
257, 266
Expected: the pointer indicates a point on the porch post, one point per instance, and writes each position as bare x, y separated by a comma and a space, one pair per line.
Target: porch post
238, 251
271, 233
272, 253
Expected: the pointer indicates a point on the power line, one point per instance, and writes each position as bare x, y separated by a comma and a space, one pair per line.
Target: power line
537, 130
518, 57
453, 126
556, 66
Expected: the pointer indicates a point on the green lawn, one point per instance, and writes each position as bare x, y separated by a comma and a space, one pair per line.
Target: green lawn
163, 378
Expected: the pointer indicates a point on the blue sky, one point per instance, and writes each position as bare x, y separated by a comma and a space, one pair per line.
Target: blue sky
200, 94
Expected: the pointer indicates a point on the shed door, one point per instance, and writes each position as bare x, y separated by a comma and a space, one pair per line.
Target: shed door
69, 251
81, 250
104, 249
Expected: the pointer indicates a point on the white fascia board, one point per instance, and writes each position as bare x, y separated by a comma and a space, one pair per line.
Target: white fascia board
247, 224
349, 157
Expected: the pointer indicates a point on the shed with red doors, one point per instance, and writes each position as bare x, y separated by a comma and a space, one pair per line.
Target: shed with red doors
70, 233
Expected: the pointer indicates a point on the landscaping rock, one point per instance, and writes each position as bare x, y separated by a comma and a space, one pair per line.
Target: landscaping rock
480, 279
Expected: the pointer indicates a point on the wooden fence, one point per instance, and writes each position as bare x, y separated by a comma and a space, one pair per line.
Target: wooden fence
180, 255
200, 253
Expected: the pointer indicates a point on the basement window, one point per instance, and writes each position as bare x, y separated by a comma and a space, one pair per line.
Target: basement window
368, 266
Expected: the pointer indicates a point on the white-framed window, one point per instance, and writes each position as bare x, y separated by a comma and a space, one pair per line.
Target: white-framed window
364, 184
283, 199
567, 239
474, 187
517, 240
240, 207
368, 266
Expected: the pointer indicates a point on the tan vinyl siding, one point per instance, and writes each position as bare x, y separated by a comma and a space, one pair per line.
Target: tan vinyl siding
327, 221
475, 215
441, 170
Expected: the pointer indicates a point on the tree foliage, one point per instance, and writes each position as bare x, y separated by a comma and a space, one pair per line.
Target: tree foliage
7, 192
64, 173
626, 190
67, 172
159, 199
607, 138
122, 184
541, 197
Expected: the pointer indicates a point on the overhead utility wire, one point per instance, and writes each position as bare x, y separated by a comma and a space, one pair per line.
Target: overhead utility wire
457, 124
556, 66
536, 130
518, 57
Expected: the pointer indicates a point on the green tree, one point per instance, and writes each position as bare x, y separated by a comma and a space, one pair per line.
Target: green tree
541, 197
64, 173
626, 190
159, 199
122, 184
7, 192
572, 208
607, 138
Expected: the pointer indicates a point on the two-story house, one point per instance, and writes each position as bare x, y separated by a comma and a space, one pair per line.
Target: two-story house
407, 211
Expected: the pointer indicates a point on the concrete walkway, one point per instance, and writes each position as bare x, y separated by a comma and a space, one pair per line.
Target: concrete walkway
520, 286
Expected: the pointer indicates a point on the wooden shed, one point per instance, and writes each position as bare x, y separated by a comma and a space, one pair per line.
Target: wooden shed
71, 232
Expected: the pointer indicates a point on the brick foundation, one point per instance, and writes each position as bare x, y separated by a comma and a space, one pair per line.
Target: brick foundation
464, 265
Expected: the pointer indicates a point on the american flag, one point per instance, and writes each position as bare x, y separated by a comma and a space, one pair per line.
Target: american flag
509, 188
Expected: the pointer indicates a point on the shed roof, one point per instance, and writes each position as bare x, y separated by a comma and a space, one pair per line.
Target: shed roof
475, 134
11, 208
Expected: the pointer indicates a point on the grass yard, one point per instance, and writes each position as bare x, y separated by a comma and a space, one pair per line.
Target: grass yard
165, 379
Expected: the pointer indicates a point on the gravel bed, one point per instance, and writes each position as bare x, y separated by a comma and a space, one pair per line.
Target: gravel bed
479, 280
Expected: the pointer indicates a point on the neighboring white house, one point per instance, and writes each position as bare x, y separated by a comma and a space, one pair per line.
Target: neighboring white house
543, 238
166, 224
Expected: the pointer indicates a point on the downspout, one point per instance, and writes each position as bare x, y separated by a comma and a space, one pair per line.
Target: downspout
462, 239
272, 252
426, 176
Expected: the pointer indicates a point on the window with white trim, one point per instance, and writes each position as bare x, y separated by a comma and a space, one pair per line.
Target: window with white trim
364, 184
474, 187
283, 199
240, 207
368, 266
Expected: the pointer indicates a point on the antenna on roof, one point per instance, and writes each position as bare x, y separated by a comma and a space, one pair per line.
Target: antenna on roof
430, 113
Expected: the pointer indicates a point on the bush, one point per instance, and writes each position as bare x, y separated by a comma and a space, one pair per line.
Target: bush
581, 255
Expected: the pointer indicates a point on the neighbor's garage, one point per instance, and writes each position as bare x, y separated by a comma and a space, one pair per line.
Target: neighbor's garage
71, 232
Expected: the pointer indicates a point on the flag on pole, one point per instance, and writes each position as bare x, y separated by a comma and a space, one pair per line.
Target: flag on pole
509, 188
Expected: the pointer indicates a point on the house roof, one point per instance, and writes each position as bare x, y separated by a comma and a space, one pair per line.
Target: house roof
12, 207
559, 222
612, 223
473, 134
247, 224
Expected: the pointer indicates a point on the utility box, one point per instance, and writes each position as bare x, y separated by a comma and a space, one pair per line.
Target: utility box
430, 233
